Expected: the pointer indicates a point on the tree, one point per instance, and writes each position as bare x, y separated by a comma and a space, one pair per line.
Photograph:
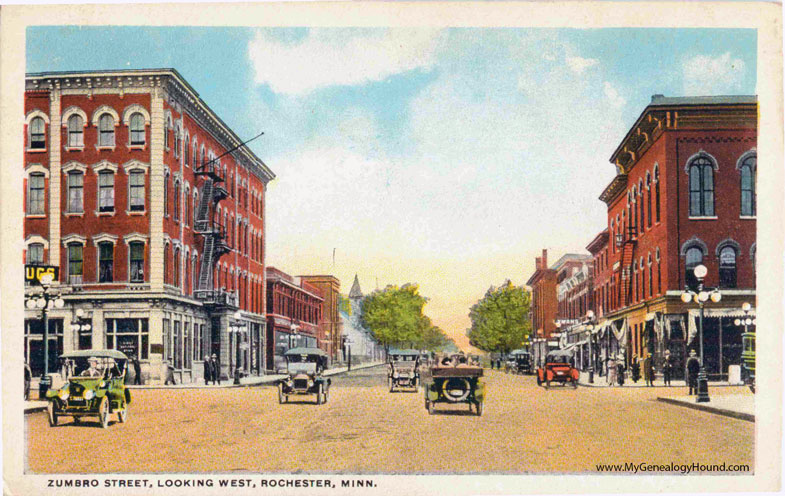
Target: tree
500, 320
432, 338
394, 315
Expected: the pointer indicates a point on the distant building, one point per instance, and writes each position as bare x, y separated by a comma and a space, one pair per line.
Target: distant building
358, 340
330, 331
294, 309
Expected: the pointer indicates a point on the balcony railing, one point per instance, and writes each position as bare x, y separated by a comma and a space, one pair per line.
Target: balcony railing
216, 297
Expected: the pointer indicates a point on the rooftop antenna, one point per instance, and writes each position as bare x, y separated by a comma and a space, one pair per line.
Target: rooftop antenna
233, 149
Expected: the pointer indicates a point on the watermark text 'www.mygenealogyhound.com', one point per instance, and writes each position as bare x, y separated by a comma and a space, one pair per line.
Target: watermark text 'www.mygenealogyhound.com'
681, 468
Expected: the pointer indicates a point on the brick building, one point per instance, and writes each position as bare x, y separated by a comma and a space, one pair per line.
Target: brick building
684, 195
294, 310
154, 213
331, 338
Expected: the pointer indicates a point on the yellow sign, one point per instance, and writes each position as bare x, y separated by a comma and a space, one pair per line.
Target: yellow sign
34, 273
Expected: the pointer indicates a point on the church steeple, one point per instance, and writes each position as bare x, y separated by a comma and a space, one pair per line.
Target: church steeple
355, 292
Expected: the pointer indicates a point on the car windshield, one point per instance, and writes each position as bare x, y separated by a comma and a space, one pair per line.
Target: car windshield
303, 358
404, 358
91, 367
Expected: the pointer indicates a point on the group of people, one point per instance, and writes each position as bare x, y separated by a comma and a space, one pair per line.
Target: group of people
212, 369
616, 370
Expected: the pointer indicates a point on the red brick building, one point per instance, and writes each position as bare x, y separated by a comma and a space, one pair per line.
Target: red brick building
684, 195
154, 212
294, 310
331, 338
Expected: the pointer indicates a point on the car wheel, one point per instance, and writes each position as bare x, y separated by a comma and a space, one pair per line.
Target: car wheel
77, 419
51, 411
326, 394
574, 384
281, 396
479, 409
547, 384
319, 394
122, 415
390, 384
430, 408
103, 412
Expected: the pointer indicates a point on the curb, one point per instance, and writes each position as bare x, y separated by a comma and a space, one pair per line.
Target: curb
711, 409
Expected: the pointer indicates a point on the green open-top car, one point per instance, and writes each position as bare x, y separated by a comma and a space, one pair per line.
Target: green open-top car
95, 387
304, 368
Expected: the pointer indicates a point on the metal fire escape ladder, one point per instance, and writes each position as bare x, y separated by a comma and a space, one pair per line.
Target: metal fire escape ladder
627, 259
214, 245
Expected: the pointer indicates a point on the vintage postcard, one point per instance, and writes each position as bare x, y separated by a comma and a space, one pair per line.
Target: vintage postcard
363, 248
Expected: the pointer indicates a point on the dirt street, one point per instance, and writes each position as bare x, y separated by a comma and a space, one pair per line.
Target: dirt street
364, 428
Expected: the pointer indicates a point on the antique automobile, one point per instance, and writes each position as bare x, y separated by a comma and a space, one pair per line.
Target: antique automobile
403, 370
304, 369
558, 368
94, 387
509, 363
748, 359
454, 380
521, 362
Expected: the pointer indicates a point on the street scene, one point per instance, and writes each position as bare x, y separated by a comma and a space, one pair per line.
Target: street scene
513, 251
561, 430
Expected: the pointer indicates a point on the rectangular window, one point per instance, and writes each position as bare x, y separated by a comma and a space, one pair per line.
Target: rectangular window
75, 264
35, 253
37, 136
130, 336
106, 192
75, 192
137, 262
105, 262
35, 194
178, 346
136, 192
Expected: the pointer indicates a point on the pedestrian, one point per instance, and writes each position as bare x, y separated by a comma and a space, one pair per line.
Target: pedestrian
216, 369
137, 370
208, 370
620, 372
635, 369
648, 371
611, 376
693, 367
667, 368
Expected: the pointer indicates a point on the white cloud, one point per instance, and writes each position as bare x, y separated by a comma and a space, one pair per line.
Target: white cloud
613, 95
330, 57
706, 75
580, 64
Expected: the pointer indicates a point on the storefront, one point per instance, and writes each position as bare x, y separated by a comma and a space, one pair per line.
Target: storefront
34, 344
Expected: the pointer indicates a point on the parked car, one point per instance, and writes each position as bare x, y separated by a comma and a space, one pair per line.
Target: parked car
559, 367
520, 362
403, 370
304, 369
454, 380
94, 387
748, 359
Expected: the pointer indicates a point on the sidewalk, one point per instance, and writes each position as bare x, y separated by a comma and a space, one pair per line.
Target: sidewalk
740, 406
601, 381
37, 405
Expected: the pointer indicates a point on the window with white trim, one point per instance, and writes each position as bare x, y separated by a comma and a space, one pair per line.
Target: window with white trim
36, 194
75, 192
106, 130
136, 258
728, 267
701, 173
37, 134
106, 191
137, 129
35, 253
748, 196
105, 261
74, 263
75, 131
136, 191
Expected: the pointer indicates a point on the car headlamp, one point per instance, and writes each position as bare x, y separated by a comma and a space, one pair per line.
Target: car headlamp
63, 393
89, 394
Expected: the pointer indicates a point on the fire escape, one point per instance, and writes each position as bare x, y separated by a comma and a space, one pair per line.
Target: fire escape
627, 259
212, 192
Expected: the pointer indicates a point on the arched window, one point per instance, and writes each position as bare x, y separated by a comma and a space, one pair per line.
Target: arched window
651, 279
657, 192
167, 130
105, 262
728, 267
75, 192
176, 280
194, 275
186, 148
693, 258
195, 155
748, 198
136, 191
177, 140
137, 129
196, 205
105, 130
36, 193
187, 204
641, 212
176, 201
648, 199
701, 172
74, 263
136, 257
35, 253
75, 130
37, 134
167, 275
201, 161
166, 194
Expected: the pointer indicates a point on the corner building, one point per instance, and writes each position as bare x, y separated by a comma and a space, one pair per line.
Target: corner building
158, 231
684, 195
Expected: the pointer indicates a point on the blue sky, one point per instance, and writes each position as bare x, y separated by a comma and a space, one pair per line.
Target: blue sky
447, 157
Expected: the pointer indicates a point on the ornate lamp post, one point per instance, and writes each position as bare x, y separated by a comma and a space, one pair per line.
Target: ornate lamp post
80, 325
701, 297
748, 344
590, 329
237, 327
44, 301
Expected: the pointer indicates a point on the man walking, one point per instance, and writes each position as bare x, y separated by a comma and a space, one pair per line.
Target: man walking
216, 369
137, 370
208, 370
693, 367
667, 368
648, 371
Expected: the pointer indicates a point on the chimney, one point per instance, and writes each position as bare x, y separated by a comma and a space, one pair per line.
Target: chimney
544, 258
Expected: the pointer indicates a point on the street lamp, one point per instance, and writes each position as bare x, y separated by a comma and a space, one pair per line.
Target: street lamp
237, 327
45, 301
590, 328
701, 296
748, 345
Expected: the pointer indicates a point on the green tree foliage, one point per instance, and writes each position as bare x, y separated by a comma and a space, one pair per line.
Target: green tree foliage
394, 315
500, 321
